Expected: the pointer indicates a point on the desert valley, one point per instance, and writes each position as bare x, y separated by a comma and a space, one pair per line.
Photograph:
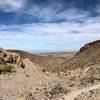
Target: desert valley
49, 49
55, 76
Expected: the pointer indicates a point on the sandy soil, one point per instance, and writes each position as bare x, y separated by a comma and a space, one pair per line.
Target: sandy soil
32, 83
23, 81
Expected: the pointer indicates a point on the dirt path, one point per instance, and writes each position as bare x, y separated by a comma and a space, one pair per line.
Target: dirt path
72, 95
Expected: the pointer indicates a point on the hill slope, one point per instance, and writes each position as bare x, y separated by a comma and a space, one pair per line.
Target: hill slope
88, 55
47, 62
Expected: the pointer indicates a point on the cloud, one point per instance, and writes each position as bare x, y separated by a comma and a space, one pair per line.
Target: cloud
55, 12
98, 9
53, 36
57, 27
73, 14
44, 12
51, 11
11, 5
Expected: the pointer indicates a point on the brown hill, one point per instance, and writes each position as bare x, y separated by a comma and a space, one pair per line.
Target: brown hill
47, 62
88, 55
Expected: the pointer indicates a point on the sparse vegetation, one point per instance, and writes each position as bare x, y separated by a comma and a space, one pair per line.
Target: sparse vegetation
56, 91
36, 81
6, 69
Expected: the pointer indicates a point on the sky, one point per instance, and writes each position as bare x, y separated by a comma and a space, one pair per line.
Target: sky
48, 24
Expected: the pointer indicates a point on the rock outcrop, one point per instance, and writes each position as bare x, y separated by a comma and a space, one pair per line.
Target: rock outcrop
10, 58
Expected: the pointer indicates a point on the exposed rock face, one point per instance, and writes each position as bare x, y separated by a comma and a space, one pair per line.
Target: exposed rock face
90, 47
88, 55
11, 58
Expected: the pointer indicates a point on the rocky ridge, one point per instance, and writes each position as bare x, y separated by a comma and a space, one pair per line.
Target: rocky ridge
88, 55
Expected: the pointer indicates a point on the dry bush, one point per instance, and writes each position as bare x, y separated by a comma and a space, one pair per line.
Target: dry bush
56, 91
6, 69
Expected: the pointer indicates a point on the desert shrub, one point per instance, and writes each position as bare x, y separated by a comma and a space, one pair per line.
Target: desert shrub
2, 61
56, 91
6, 69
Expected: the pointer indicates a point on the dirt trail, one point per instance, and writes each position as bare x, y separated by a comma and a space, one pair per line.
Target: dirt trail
72, 95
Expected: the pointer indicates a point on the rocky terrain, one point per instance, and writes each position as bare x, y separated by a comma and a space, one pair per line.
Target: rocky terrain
25, 76
50, 61
90, 95
8, 60
88, 55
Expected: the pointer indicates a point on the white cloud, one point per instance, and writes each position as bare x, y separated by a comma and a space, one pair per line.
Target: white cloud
63, 35
51, 34
44, 13
72, 14
54, 11
11, 5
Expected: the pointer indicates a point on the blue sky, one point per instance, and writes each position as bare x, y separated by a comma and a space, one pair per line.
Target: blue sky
48, 24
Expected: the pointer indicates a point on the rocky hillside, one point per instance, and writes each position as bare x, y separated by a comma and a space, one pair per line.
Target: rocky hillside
7, 60
88, 55
47, 62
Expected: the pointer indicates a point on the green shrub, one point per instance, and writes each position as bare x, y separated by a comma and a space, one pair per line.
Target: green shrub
6, 69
